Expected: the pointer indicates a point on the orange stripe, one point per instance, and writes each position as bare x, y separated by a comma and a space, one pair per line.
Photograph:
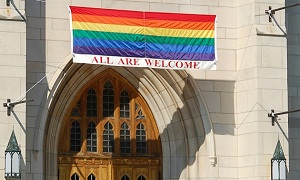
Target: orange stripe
180, 25
140, 22
107, 20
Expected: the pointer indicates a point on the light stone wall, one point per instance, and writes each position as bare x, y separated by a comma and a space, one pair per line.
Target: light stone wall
249, 81
12, 79
293, 30
219, 97
261, 85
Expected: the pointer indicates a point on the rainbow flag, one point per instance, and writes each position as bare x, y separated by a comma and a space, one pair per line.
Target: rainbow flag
145, 39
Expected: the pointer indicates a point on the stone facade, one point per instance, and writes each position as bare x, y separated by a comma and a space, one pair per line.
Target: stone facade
213, 124
13, 78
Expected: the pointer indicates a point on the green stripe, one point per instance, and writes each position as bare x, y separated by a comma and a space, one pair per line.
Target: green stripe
181, 40
108, 36
141, 38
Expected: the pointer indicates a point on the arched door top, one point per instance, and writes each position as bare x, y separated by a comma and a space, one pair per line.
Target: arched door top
161, 89
115, 123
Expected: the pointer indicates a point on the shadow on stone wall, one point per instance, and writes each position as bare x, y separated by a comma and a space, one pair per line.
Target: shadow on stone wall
37, 84
184, 136
293, 32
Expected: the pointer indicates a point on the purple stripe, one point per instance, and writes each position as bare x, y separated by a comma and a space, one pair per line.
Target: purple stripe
149, 54
107, 51
181, 56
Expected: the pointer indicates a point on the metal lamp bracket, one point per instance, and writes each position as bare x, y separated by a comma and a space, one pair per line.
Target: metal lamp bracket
270, 13
10, 105
275, 115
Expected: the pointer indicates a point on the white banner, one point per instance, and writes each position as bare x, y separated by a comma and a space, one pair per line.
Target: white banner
143, 62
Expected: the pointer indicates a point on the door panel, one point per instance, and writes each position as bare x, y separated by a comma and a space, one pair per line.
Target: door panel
110, 170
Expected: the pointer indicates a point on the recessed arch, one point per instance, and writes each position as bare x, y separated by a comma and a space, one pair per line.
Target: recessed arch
125, 177
101, 142
160, 88
91, 177
75, 177
141, 177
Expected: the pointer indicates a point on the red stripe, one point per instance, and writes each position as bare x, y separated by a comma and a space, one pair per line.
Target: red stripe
180, 17
107, 12
142, 22
142, 15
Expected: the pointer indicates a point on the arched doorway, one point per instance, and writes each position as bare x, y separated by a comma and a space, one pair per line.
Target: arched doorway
109, 133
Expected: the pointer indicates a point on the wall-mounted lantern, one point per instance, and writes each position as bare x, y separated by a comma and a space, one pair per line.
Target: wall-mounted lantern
12, 159
278, 164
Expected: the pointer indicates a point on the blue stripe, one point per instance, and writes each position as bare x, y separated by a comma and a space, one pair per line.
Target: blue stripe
107, 51
181, 56
99, 43
149, 54
171, 48
141, 46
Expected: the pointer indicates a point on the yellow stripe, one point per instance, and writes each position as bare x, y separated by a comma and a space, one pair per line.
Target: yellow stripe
108, 27
141, 30
180, 33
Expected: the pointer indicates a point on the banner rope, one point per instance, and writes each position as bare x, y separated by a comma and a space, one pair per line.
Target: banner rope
55, 68
236, 79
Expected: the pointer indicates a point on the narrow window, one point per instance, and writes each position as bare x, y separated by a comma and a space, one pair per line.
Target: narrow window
91, 137
76, 110
125, 177
75, 137
75, 177
125, 139
140, 115
139, 111
108, 138
141, 177
91, 177
141, 145
91, 103
124, 105
108, 100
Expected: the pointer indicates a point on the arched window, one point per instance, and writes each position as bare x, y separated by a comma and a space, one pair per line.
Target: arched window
124, 104
76, 110
108, 127
75, 177
108, 100
141, 178
139, 112
108, 138
125, 139
141, 144
91, 103
75, 137
91, 137
125, 177
91, 177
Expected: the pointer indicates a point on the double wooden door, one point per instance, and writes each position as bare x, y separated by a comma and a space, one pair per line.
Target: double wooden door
109, 169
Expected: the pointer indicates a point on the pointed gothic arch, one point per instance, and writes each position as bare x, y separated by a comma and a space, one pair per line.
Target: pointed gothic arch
99, 131
148, 82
